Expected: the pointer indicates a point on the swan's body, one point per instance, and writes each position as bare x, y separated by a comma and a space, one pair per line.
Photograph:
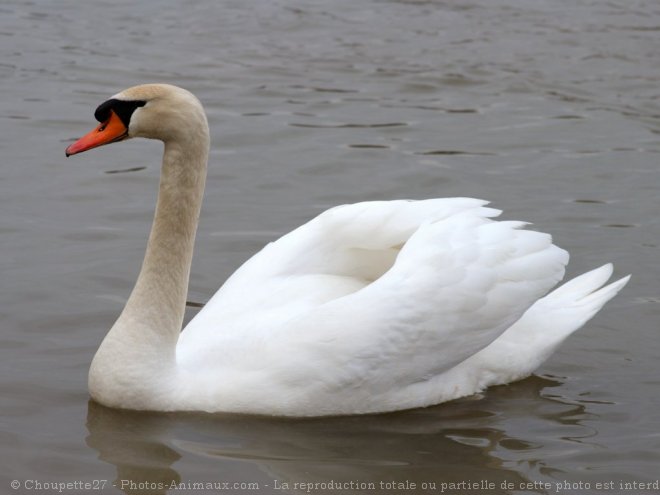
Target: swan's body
369, 307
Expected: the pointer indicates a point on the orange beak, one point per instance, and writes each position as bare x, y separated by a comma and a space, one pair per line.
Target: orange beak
107, 132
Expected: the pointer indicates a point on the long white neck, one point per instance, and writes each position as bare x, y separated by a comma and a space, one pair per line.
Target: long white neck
159, 298
140, 349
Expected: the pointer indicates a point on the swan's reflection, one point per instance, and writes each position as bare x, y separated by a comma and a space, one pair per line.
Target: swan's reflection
466, 440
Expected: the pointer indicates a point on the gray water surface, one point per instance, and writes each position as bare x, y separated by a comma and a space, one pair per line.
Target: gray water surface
549, 109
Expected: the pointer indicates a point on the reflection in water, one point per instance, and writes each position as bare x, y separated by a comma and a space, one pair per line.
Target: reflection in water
132, 442
469, 440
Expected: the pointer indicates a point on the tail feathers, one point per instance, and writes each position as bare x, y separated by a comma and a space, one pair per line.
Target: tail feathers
578, 300
596, 300
519, 351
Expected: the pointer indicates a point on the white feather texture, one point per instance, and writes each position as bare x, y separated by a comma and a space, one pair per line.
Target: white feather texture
370, 307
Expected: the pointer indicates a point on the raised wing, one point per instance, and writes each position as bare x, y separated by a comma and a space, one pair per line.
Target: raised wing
371, 298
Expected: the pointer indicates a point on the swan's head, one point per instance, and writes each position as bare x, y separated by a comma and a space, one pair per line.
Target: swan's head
155, 111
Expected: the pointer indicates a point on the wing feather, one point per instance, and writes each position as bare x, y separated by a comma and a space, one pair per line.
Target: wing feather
430, 311
373, 297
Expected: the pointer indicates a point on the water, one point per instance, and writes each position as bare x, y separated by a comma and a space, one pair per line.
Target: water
548, 108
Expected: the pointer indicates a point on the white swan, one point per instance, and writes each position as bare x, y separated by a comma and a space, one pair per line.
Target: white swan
370, 307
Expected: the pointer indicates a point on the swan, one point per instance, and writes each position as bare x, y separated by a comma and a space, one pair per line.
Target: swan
367, 308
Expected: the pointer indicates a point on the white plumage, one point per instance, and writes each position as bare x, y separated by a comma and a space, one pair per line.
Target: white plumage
369, 307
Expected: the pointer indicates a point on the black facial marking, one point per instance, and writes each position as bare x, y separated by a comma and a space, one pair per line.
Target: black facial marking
124, 109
